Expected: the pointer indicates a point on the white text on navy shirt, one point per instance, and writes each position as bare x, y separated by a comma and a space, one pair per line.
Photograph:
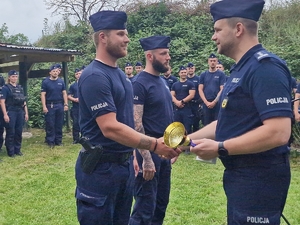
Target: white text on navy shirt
99, 106
277, 100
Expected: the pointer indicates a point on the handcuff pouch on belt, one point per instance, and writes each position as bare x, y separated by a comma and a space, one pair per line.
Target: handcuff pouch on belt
91, 156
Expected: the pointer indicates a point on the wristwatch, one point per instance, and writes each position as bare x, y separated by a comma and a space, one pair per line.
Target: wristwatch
221, 150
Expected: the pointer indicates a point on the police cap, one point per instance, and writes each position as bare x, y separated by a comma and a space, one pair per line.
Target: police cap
138, 64
12, 72
58, 66
128, 64
182, 68
248, 9
155, 42
108, 20
189, 65
212, 56
53, 67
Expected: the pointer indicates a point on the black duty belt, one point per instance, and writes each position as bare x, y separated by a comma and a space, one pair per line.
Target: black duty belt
108, 157
254, 161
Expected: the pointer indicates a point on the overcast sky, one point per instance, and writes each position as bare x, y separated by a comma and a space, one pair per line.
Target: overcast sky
26, 17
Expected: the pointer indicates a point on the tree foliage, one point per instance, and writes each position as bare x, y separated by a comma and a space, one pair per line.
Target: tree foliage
187, 22
5, 37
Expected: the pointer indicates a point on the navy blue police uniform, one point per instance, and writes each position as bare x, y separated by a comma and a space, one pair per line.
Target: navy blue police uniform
211, 86
294, 86
256, 185
196, 102
74, 112
14, 103
54, 118
104, 196
170, 80
185, 114
152, 197
128, 64
2, 122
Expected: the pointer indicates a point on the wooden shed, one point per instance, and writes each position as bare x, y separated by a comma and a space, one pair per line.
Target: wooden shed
22, 59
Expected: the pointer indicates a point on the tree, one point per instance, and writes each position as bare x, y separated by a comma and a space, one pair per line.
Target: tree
82, 9
19, 38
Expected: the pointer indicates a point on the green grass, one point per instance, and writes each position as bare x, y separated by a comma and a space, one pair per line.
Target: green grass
38, 188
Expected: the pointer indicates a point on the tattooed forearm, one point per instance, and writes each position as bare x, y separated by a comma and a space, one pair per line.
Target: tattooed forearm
146, 156
145, 143
138, 116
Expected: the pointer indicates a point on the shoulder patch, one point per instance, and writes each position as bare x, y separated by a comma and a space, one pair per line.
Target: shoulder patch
262, 55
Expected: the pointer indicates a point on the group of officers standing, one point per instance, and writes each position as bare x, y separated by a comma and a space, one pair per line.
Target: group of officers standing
125, 116
195, 97
120, 116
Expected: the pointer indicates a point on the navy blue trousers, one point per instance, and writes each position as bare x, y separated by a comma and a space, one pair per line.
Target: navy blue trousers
2, 125
54, 119
210, 115
104, 197
185, 116
14, 130
75, 127
256, 195
196, 119
151, 197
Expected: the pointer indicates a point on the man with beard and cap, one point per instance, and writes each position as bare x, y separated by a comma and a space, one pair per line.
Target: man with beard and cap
169, 78
129, 71
138, 67
104, 171
196, 102
153, 112
254, 124
210, 87
183, 91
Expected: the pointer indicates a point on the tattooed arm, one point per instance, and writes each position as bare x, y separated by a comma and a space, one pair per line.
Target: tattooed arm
148, 164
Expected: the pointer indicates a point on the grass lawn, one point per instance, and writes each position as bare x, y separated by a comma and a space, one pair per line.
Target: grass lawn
38, 188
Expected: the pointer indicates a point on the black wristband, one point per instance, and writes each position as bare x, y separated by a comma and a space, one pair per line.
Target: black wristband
155, 146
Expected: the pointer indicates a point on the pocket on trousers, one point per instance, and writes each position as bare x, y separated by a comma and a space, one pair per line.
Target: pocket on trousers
89, 197
256, 217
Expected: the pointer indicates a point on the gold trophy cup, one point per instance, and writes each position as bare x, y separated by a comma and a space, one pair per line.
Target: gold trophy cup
175, 135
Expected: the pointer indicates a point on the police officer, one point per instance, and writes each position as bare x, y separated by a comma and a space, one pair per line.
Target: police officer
2, 122
169, 78
129, 71
183, 91
220, 66
196, 102
138, 67
73, 97
254, 123
15, 112
55, 102
210, 87
153, 112
104, 191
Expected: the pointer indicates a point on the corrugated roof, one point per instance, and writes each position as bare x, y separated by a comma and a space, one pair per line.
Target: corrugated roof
26, 47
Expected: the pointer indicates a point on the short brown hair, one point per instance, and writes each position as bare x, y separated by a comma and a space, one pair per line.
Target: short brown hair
96, 36
251, 25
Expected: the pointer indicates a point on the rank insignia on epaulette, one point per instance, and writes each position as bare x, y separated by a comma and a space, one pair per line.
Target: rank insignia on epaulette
224, 102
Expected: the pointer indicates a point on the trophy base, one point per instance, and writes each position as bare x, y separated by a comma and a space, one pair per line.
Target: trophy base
211, 161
